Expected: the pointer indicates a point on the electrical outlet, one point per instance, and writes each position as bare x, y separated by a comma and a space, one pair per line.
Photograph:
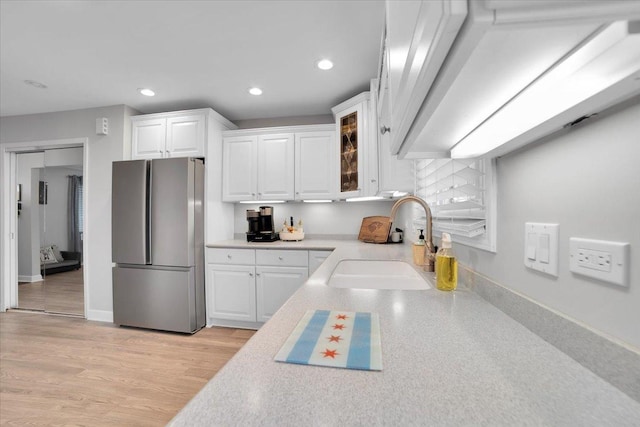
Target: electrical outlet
596, 260
602, 260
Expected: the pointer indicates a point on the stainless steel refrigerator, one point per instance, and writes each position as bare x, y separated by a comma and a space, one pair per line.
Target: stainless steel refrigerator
158, 244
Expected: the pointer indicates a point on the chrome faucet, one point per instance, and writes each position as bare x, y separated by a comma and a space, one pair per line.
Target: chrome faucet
429, 264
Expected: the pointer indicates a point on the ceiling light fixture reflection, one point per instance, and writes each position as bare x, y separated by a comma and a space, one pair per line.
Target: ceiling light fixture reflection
255, 91
317, 201
146, 92
325, 64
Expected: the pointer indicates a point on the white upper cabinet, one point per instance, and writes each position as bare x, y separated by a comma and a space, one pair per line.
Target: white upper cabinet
173, 134
513, 74
280, 163
185, 136
239, 168
316, 161
355, 147
419, 35
276, 167
148, 138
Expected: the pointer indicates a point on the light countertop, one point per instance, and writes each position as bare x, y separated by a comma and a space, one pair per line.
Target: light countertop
449, 358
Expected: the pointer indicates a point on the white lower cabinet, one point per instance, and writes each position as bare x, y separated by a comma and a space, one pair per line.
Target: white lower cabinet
245, 287
316, 258
233, 295
274, 286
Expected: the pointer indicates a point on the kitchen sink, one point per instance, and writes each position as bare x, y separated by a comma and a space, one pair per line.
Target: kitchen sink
376, 274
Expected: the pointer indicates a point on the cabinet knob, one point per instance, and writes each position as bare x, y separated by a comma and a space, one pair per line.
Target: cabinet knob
253, 194
373, 180
384, 129
280, 258
258, 274
229, 256
250, 274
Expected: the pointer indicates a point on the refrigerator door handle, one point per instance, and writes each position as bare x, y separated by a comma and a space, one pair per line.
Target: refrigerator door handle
148, 228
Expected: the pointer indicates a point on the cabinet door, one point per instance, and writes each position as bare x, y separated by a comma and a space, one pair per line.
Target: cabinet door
186, 135
419, 36
316, 165
352, 136
316, 258
232, 292
148, 138
276, 167
239, 177
274, 286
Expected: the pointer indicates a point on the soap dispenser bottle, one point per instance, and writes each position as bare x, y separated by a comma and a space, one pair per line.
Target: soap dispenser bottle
419, 250
446, 266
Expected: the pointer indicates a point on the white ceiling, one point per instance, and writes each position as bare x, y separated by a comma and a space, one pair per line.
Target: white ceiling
192, 53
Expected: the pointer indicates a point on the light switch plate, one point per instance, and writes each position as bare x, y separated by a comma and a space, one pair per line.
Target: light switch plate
600, 259
541, 247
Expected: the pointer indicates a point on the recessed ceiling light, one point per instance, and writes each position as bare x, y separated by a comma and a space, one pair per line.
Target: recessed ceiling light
146, 92
325, 64
35, 84
255, 91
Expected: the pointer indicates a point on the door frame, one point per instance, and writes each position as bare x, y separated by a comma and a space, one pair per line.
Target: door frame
9, 216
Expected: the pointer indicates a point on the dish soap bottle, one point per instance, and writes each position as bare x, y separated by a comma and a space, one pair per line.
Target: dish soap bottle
446, 266
419, 250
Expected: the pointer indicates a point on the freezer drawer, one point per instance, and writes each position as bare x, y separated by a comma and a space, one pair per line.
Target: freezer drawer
164, 299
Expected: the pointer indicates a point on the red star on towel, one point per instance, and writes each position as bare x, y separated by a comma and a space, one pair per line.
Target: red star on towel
334, 338
338, 326
330, 353
342, 316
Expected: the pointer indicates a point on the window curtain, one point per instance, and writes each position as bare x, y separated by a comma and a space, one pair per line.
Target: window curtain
74, 214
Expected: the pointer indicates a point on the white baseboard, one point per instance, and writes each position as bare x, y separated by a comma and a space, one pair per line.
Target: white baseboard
100, 315
30, 279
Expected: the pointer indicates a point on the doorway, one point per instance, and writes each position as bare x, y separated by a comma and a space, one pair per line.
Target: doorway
48, 186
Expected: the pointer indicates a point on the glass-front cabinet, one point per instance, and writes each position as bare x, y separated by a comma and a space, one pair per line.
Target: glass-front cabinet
351, 127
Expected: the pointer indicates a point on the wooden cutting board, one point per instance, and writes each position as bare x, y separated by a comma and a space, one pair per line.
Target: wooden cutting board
375, 229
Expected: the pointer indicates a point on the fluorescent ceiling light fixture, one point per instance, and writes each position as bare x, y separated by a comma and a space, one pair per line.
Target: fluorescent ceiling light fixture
146, 92
262, 202
35, 84
325, 64
608, 58
255, 91
364, 199
317, 201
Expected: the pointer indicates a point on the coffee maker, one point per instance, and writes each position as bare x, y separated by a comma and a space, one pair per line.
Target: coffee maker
261, 225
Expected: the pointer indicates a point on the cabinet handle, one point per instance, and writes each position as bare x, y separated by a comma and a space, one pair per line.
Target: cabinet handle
373, 180
384, 129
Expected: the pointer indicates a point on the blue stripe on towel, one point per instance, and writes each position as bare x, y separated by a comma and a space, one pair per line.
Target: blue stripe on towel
360, 349
302, 350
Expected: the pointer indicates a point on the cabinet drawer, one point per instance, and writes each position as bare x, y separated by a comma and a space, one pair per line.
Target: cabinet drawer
231, 256
282, 257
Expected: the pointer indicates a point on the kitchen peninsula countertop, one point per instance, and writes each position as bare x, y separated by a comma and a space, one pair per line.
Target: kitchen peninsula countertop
449, 358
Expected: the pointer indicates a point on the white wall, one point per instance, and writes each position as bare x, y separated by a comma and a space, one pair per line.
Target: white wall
338, 218
102, 151
588, 181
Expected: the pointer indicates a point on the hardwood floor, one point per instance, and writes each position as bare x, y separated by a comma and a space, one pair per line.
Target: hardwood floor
58, 370
58, 293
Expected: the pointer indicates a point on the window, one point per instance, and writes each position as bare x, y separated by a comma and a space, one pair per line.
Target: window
461, 194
